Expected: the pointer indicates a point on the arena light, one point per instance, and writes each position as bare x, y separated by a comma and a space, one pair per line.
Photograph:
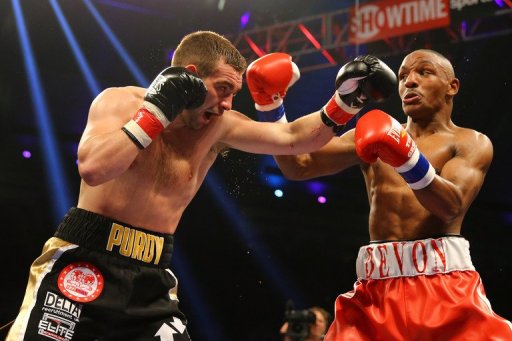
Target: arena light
92, 84
221, 4
56, 179
269, 173
244, 20
125, 56
278, 193
316, 187
273, 180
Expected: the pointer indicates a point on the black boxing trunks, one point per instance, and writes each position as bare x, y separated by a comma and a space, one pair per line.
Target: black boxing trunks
100, 279
423, 289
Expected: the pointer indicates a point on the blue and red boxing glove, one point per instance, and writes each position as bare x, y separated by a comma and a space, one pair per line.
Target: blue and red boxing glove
378, 135
268, 79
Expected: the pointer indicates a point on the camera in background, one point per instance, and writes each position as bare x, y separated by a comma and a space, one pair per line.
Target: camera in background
304, 325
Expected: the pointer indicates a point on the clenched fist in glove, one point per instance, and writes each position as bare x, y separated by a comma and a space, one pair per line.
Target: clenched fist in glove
268, 79
365, 78
379, 135
173, 90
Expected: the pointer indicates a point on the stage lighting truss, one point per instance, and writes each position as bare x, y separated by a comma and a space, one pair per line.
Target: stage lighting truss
323, 40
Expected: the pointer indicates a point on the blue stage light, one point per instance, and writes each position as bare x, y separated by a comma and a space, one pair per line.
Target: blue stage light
125, 56
273, 180
56, 179
275, 273
94, 88
316, 187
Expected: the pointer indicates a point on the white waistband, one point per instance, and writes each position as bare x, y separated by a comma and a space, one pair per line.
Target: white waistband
413, 258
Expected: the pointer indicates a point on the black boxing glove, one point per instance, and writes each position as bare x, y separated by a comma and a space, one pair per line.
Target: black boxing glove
365, 78
173, 90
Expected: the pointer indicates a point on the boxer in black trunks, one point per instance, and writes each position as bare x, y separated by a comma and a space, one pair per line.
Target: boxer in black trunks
142, 157
79, 297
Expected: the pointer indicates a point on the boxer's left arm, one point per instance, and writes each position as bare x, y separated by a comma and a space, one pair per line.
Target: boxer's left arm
446, 195
461, 178
268, 79
306, 134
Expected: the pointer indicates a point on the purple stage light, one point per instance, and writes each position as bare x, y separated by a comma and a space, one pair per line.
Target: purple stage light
26, 154
244, 20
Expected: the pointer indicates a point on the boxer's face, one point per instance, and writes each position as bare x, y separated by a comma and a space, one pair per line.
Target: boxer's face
222, 86
424, 83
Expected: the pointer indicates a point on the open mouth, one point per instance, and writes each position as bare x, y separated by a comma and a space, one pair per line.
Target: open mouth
208, 115
410, 97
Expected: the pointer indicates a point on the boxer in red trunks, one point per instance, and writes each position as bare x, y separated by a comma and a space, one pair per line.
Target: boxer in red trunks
415, 280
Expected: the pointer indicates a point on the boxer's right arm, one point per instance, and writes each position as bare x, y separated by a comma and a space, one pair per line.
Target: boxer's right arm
105, 150
337, 155
358, 81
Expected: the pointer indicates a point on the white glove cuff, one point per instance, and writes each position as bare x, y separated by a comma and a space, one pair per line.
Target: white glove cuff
157, 112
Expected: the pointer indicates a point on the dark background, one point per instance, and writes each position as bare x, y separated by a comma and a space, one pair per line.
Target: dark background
241, 252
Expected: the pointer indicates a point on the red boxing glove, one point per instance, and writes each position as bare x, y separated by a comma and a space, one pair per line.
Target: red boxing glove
379, 135
268, 79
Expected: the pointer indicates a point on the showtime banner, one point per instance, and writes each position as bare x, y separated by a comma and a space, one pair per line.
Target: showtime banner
389, 18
